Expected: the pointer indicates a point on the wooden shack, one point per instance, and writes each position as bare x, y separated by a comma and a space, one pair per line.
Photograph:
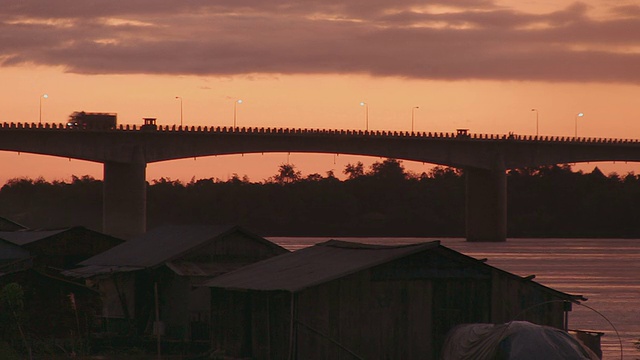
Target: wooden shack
343, 300
34, 259
164, 268
61, 248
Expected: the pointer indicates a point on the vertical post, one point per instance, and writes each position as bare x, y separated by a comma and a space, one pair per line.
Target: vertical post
124, 199
486, 208
180, 98
157, 323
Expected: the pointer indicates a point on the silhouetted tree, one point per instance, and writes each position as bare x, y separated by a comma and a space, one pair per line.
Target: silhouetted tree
354, 171
12, 302
545, 201
287, 174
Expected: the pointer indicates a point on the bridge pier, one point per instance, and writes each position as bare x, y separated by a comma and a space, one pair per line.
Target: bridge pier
124, 212
486, 209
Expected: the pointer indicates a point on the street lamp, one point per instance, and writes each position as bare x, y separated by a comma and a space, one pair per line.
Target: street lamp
366, 113
235, 111
576, 124
536, 110
179, 97
413, 115
45, 96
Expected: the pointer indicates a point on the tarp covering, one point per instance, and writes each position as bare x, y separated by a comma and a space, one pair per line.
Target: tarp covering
517, 340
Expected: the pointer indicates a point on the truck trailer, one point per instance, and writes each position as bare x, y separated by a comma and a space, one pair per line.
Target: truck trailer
92, 120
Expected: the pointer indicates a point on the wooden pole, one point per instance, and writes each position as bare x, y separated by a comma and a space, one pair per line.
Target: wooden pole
157, 326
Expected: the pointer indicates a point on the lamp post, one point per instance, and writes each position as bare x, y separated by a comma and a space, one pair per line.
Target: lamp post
413, 115
536, 110
366, 113
179, 97
576, 124
45, 96
235, 111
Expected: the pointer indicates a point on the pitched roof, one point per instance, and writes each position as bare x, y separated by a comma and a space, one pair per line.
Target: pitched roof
94, 270
161, 245
8, 225
22, 238
334, 259
313, 265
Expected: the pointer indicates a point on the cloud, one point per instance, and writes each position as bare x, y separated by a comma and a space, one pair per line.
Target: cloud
438, 39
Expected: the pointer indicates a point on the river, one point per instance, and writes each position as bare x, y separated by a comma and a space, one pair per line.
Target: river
605, 271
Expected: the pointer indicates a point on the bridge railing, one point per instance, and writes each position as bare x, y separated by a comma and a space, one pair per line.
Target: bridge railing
328, 132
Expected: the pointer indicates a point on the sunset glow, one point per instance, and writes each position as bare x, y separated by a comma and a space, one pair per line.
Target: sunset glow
482, 65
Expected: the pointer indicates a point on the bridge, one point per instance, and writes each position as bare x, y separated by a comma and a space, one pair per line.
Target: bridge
485, 158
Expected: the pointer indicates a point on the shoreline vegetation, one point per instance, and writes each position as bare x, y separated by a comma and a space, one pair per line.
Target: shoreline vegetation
383, 200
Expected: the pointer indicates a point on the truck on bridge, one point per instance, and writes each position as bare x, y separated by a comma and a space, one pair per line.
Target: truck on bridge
92, 120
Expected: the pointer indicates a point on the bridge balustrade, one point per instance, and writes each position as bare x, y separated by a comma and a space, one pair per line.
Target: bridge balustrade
348, 132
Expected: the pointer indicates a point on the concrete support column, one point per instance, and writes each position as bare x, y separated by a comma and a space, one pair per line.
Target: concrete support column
124, 199
486, 212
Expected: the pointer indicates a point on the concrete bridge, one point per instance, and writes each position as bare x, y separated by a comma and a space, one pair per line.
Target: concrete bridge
484, 158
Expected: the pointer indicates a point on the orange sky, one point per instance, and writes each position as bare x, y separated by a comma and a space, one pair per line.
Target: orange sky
476, 64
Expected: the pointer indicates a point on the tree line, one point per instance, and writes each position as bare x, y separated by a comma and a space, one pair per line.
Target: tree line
381, 200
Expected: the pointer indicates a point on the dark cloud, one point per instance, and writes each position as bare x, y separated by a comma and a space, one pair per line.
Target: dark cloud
627, 11
467, 39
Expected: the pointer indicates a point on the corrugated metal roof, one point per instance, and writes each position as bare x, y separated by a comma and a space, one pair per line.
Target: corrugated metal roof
159, 246
94, 270
185, 268
8, 225
313, 265
28, 236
